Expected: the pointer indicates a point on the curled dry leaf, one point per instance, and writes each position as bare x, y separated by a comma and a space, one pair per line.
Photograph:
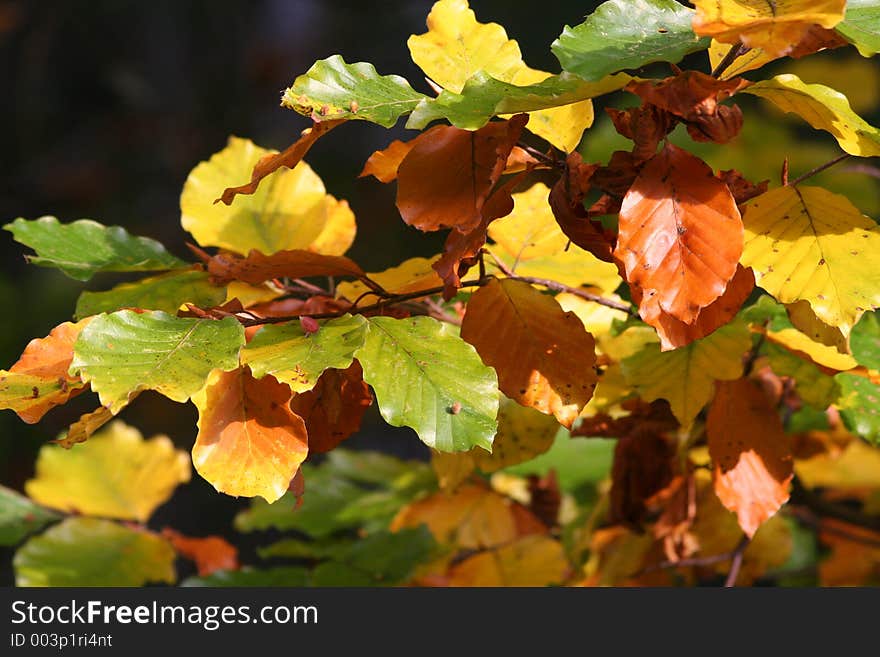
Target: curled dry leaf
257, 268
643, 466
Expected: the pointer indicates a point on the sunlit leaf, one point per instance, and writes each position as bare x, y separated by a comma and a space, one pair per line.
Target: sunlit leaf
20, 517
865, 341
249, 442
332, 89
861, 26
410, 275
805, 243
125, 352
824, 109
210, 553
116, 474
165, 292
256, 268
427, 378
83, 248
859, 405
543, 355
290, 210
93, 552
528, 561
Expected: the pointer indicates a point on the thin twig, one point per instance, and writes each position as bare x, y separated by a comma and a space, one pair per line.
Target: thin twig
784, 175
729, 58
736, 566
818, 169
697, 562
541, 157
800, 494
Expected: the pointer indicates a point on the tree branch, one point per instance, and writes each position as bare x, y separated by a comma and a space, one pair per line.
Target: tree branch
818, 169
729, 58
736, 566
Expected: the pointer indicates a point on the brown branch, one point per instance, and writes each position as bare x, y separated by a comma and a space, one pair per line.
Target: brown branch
736, 566
583, 294
818, 169
729, 58
541, 157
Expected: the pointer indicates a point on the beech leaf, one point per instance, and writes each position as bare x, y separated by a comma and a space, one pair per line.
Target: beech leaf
865, 341
861, 26
249, 442
427, 378
750, 451
20, 517
258, 268
859, 405
528, 561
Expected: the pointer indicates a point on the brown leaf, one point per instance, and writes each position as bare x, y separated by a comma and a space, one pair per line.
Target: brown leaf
643, 465
545, 498
618, 176
249, 442
680, 233
855, 554
646, 126
741, 188
446, 178
720, 128
751, 454
691, 95
257, 268
383, 165
333, 409
210, 553
289, 158
674, 333
543, 355
817, 38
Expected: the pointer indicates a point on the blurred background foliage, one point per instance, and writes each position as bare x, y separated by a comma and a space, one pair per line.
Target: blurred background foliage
109, 104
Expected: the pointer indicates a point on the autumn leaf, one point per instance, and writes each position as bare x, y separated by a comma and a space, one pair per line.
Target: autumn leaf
39, 380
804, 319
680, 233
685, 377
210, 553
773, 27
333, 409
529, 561
432, 196
805, 243
575, 221
87, 424
116, 474
20, 517
383, 165
529, 340
409, 276
249, 442
270, 162
750, 452
257, 268
643, 466
824, 109
457, 47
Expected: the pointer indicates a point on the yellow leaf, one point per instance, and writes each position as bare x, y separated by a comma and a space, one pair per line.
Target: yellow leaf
249, 442
855, 467
818, 352
251, 294
686, 376
409, 276
574, 268
452, 468
290, 210
530, 231
751, 60
597, 319
775, 27
523, 434
610, 391
116, 474
456, 46
805, 243
824, 109
805, 320
529, 561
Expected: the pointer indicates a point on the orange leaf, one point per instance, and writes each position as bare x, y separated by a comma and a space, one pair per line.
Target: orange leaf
47, 360
383, 165
209, 553
543, 355
567, 202
691, 95
750, 451
249, 442
289, 158
445, 180
333, 409
681, 234
741, 188
646, 126
257, 268
674, 333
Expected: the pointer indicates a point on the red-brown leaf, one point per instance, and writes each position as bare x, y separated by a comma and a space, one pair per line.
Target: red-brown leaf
741, 188
680, 233
257, 268
383, 165
210, 553
289, 158
446, 178
689, 95
751, 453
646, 126
643, 465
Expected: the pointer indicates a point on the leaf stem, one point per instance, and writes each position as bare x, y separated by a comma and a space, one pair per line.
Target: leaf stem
729, 58
818, 169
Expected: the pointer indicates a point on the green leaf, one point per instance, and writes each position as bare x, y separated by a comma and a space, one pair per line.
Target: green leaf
339, 495
84, 247
125, 352
577, 461
859, 406
812, 384
165, 292
332, 89
824, 109
861, 26
427, 378
484, 97
295, 548
19, 517
92, 552
627, 34
379, 559
865, 341
298, 358
280, 576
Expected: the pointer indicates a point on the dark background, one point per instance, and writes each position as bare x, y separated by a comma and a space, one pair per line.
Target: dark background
105, 107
